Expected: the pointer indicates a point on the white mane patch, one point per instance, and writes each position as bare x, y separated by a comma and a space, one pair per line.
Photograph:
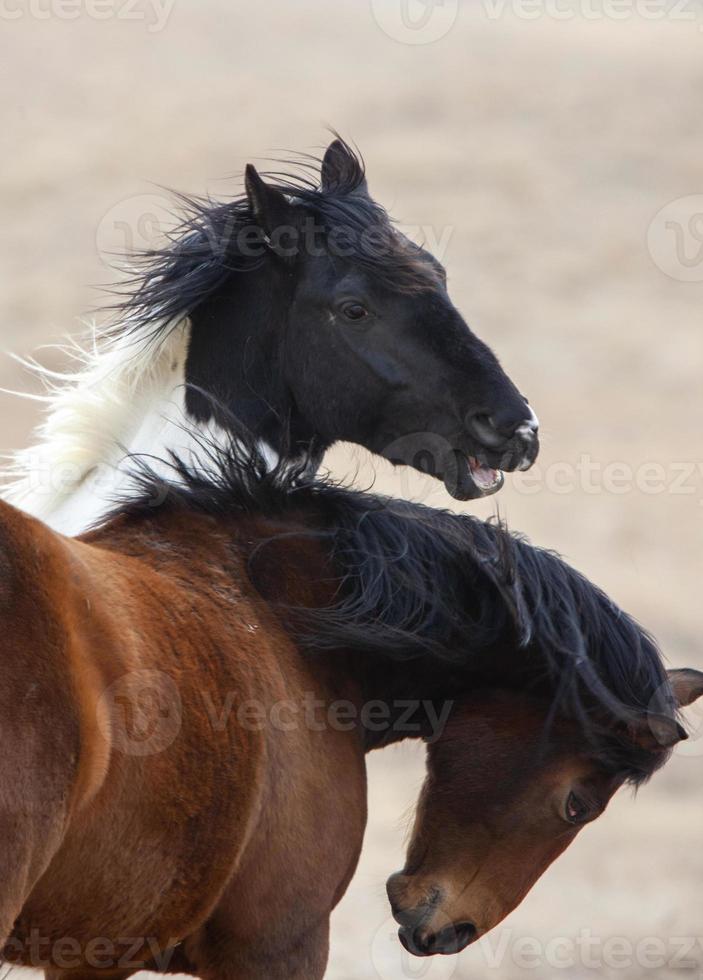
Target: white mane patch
126, 397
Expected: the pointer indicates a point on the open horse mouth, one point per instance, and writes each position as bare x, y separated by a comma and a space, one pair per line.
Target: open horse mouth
468, 467
467, 473
486, 479
478, 471
468, 477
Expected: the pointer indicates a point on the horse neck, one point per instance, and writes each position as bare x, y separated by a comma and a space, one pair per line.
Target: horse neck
293, 560
404, 699
236, 358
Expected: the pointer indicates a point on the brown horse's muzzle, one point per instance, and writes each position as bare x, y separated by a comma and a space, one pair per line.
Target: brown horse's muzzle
446, 942
425, 930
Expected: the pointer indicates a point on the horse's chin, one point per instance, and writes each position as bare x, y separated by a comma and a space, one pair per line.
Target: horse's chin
465, 478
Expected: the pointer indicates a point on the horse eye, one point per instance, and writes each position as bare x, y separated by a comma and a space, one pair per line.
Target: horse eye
354, 311
577, 809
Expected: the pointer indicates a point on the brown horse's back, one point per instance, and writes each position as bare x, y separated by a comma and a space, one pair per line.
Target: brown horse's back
146, 751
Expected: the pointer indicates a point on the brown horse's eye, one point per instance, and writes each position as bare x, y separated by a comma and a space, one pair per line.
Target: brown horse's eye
577, 810
355, 312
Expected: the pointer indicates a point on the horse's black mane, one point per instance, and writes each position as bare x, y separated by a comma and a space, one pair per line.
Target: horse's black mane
205, 247
421, 582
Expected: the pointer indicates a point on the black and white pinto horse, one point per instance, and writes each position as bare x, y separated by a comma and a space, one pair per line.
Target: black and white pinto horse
299, 312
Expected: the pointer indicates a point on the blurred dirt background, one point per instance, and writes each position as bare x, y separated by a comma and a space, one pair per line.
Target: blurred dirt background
540, 149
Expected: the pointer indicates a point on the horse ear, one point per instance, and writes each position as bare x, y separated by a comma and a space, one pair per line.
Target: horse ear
687, 685
269, 206
663, 731
656, 732
341, 168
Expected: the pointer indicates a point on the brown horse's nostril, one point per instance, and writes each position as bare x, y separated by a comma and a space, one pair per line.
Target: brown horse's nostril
453, 939
414, 941
448, 941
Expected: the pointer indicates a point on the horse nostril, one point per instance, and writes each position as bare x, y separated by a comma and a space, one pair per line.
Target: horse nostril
503, 428
415, 942
486, 431
494, 431
453, 939
465, 933
510, 426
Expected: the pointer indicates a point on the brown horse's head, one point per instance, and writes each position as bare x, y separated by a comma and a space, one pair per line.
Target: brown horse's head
505, 795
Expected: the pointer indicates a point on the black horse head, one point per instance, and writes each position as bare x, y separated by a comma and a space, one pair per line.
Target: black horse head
315, 320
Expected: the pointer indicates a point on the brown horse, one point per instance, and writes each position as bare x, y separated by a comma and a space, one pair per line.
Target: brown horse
188, 692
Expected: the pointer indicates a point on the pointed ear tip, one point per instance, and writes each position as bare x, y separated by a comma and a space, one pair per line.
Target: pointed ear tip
336, 148
687, 685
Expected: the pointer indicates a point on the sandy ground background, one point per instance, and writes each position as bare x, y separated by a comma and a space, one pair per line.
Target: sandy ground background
540, 142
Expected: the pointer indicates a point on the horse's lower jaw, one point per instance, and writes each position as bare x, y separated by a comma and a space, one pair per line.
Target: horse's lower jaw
465, 478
